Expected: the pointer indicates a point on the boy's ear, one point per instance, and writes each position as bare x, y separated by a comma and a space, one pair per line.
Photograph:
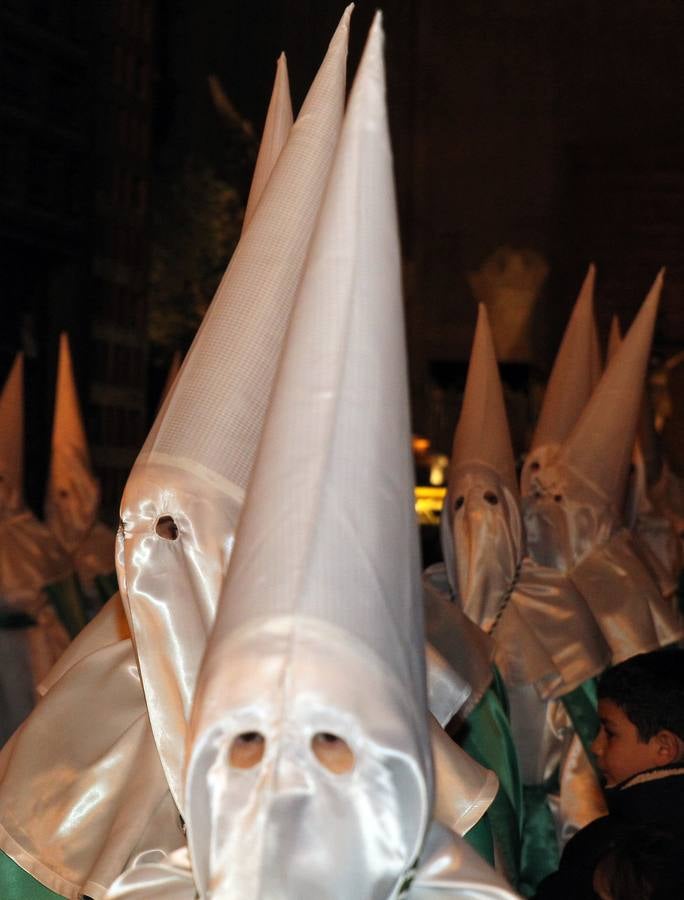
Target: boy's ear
669, 747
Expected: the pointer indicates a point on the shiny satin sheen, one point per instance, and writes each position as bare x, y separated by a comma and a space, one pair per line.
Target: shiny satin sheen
170, 589
465, 647
544, 633
447, 868
564, 645
464, 790
487, 540
267, 831
447, 691
81, 788
571, 527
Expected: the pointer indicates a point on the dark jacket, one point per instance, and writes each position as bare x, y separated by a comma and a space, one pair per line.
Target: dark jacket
651, 801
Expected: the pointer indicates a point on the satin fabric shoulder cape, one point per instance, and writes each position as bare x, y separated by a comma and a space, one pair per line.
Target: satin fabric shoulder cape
82, 790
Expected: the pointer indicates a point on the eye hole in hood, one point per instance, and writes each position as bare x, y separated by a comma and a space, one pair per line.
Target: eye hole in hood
166, 528
247, 750
332, 752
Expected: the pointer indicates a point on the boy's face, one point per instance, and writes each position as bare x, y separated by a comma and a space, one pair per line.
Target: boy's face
620, 752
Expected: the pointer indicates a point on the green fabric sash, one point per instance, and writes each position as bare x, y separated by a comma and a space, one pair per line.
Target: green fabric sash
540, 850
481, 839
499, 688
68, 601
488, 740
16, 884
581, 705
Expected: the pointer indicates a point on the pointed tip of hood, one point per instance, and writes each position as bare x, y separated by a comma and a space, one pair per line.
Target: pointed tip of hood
575, 373
600, 446
236, 350
482, 434
277, 127
68, 430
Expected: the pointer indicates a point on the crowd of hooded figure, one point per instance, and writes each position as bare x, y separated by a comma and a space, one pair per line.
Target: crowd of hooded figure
54, 574
274, 704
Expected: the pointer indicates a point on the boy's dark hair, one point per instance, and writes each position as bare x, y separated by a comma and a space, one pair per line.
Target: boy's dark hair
649, 689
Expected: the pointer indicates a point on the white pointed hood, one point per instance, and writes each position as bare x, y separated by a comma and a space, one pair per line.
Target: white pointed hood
578, 497
318, 644
636, 499
73, 492
30, 555
12, 439
655, 536
576, 372
184, 496
543, 633
482, 526
276, 131
636, 496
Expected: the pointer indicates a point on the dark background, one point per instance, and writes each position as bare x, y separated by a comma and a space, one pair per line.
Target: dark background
552, 128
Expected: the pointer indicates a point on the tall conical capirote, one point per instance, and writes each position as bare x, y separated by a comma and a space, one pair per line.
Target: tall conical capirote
324, 587
12, 439
30, 556
647, 445
184, 495
212, 418
73, 493
482, 539
482, 434
600, 446
276, 129
636, 498
575, 374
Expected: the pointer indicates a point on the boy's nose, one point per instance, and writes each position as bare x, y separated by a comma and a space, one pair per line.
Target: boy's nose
597, 744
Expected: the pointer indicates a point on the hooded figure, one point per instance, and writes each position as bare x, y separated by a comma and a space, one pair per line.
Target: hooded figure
73, 845
184, 496
546, 642
31, 636
73, 492
309, 768
575, 374
655, 536
573, 513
